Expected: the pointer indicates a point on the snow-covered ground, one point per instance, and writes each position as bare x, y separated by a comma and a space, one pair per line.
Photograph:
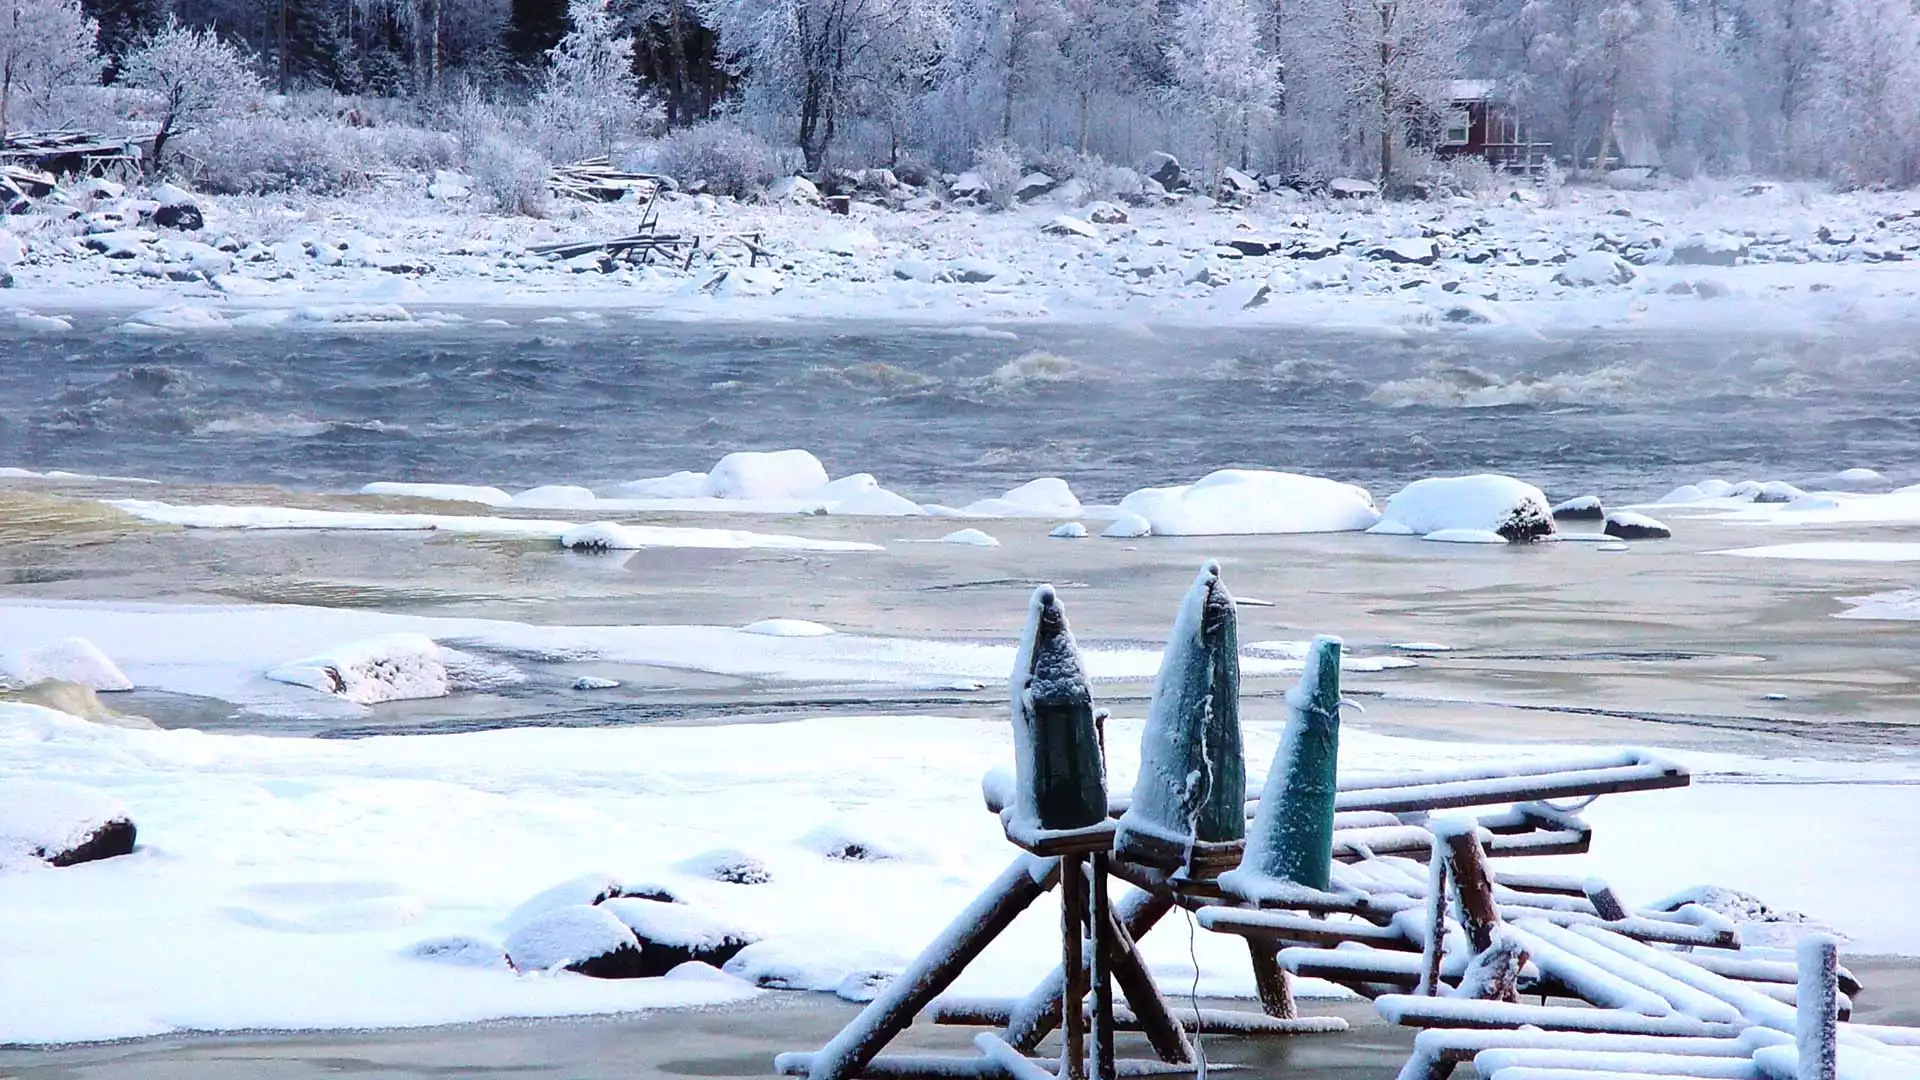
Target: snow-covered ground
284, 883
1712, 254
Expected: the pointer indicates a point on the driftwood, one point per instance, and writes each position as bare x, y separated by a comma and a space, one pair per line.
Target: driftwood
596, 180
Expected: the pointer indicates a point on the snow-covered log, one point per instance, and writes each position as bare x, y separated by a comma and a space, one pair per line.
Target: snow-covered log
1410, 1010
1192, 784
1292, 837
1591, 982
857, 1044
1506, 1062
1681, 996
1437, 1050
1056, 749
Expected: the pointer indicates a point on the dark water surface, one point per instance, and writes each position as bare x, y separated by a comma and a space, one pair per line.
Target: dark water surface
942, 415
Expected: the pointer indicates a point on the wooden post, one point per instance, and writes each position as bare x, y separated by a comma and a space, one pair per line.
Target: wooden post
1434, 952
1100, 919
1818, 1008
1163, 1030
1467, 865
1073, 1020
1017, 887
1271, 980
1605, 901
1039, 1012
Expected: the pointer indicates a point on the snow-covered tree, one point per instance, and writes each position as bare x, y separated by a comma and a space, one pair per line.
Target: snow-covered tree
43, 44
195, 75
590, 96
1870, 90
808, 62
1223, 73
1388, 64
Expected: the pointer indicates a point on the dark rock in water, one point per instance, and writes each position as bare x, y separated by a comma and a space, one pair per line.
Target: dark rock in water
6, 279
1628, 526
671, 935
1525, 524
110, 839
589, 940
1584, 508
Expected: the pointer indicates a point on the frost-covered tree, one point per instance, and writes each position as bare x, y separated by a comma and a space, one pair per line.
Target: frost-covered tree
590, 97
195, 76
43, 44
809, 62
1223, 73
1870, 90
1385, 63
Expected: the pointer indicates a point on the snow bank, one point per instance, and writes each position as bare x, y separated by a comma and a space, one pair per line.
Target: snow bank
1242, 501
1486, 502
486, 496
680, 485
751, 474
1048, 496
396, 667
73, 660
608, 536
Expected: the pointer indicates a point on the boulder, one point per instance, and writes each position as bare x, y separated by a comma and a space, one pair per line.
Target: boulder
1250, 247
1164, 169
674, 934
1626, 525
793, 191
1346, 187
581, 938
1409, 252
1033, 185
1584, 508
973, 271
1485, 503
1067, 225
970, 187
1594, 268
1106, 213
61, 824
588, 890
1237, 187
177, 209
1710, 249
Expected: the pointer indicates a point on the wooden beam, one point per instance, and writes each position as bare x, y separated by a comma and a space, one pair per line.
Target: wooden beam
1156, 1019
1017, 887
1073, 1025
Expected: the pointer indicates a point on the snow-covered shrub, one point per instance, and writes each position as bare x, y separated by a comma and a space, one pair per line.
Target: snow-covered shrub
728, 159
1469, 174
512, 173
261, 153
194, 76
44, 45
999, 164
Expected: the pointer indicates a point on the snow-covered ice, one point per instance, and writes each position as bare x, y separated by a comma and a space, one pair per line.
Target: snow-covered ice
1240, 501
73, 659
1834, 551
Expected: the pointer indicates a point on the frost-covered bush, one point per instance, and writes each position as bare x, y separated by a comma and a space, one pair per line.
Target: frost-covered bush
195, 77
262, 153
999, 164
511, 172
1468, 173
590, 98
728, 159
44, 45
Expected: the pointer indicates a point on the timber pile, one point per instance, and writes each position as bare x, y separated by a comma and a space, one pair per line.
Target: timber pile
1385, 885
71, 153
596, 180
648, 242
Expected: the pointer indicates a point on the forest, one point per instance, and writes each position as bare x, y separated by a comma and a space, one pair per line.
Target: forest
286, 94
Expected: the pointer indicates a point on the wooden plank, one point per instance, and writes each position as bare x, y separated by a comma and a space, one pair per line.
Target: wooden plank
1271, 981
1452, 795
1292, 929
857, 1044
1156, 1019
1100, 916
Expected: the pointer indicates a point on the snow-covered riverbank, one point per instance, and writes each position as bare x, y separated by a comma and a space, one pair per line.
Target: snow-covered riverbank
1711, 254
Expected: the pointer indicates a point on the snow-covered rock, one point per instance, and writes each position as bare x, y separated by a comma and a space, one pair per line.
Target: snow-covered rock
1243, 501
1416, 252
1594, 268
393, 667
450, 186
60, 824
754, 474
728, 865
1164, 169
1347, 187
71, 660
555, 497
1068, 225
675, 934
1071, 530
970, 187
1237, 187
1857, 479
177, 209
1128, 526
1627, 525
793, 191
1033, 185
1106, 213
462, 951
1582, 508
1048, 496
970, 538
971, 270
680, 485
1710, 249
1486, 502
583, 938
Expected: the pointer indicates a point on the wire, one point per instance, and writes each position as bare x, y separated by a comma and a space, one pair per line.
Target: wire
1193, 995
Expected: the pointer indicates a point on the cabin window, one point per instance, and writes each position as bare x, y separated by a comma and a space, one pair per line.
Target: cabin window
1459, 128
